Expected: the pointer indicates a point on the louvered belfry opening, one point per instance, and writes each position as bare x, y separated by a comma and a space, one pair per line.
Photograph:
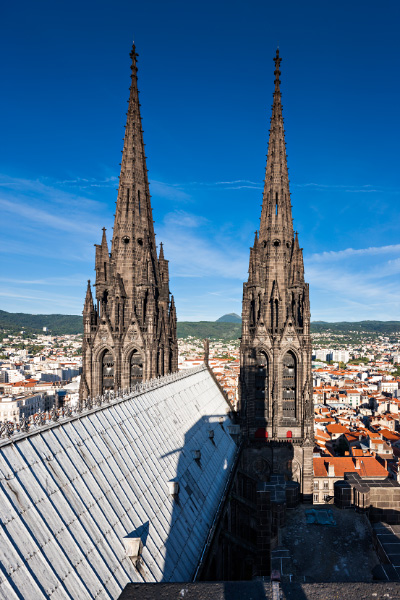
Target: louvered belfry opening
289, 385
136, 370
261, 387
107, 369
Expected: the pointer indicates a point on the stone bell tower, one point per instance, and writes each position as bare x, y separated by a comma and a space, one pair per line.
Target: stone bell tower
275, 351
130, 330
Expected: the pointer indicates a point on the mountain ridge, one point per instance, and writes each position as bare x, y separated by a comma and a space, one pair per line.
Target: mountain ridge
58, 324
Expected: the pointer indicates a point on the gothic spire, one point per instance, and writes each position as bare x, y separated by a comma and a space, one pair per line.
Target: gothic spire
276, 215
88, 306
131, 324
133, 231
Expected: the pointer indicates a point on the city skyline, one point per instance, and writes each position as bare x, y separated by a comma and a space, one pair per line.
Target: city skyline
206, 118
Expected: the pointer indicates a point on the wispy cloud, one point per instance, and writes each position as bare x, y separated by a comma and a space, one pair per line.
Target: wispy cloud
171, 191
194, 250
82, 183
355, 283
184, 190
46, 205
351, 252
367, 188
45, 218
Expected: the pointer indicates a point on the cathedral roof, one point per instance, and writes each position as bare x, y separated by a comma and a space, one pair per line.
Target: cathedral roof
73, 489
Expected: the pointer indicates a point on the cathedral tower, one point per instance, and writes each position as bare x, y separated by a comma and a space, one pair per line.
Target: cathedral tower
275, 351
130, 329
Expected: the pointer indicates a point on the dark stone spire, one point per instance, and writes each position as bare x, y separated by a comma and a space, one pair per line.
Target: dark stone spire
275, 374
133, 233
131, 335
276, 215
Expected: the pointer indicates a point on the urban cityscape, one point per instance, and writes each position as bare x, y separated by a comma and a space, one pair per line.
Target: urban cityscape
154, 445
356, 393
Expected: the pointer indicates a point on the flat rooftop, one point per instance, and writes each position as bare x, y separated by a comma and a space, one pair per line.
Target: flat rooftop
318, 552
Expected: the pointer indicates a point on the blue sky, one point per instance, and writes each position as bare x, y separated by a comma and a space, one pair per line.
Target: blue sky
206, 82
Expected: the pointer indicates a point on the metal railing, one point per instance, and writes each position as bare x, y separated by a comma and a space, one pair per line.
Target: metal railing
11, 431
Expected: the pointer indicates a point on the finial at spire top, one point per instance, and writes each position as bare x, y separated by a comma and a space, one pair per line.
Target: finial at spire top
277, 59
133, 51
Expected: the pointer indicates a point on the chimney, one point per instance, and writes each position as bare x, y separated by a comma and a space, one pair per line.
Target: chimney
133, 548
331, 470
357, 463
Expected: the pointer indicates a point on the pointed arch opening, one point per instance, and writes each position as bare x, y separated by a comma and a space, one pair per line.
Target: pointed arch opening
261, 386
107, 371
161, 358
289, 384
135, 368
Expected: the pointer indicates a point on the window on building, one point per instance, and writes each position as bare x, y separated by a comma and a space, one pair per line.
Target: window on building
289, 385
136, 368
316, 498
326, 485
108, 371
261, 385
316, 485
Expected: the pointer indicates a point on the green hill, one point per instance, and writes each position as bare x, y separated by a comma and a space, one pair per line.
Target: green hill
379, 327
225, 330
56, 324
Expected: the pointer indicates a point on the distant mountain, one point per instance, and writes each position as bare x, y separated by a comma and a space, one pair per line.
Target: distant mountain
227, 327
213, 330
229, 318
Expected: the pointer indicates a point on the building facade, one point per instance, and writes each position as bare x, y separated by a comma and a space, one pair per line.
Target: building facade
130, 327
275, 352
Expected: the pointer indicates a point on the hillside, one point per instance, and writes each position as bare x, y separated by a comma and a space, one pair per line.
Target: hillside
379, 327
209, 329
225, 330
229, 318
56, 324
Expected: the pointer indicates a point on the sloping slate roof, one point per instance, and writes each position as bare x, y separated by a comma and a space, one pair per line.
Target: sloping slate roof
72, 491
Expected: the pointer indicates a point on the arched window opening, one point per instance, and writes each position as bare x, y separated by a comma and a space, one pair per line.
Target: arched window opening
261, 387
252, 312
289, 376
104, 301
276, 204
276, 314
161, 360
107, 371
136, 368
138, 195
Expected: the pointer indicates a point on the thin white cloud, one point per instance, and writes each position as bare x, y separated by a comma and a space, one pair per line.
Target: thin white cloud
199, 253
367, 188
350, 252
169, 191
45, 218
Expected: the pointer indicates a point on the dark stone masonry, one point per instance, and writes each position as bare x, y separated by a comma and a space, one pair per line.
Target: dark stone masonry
130, 332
